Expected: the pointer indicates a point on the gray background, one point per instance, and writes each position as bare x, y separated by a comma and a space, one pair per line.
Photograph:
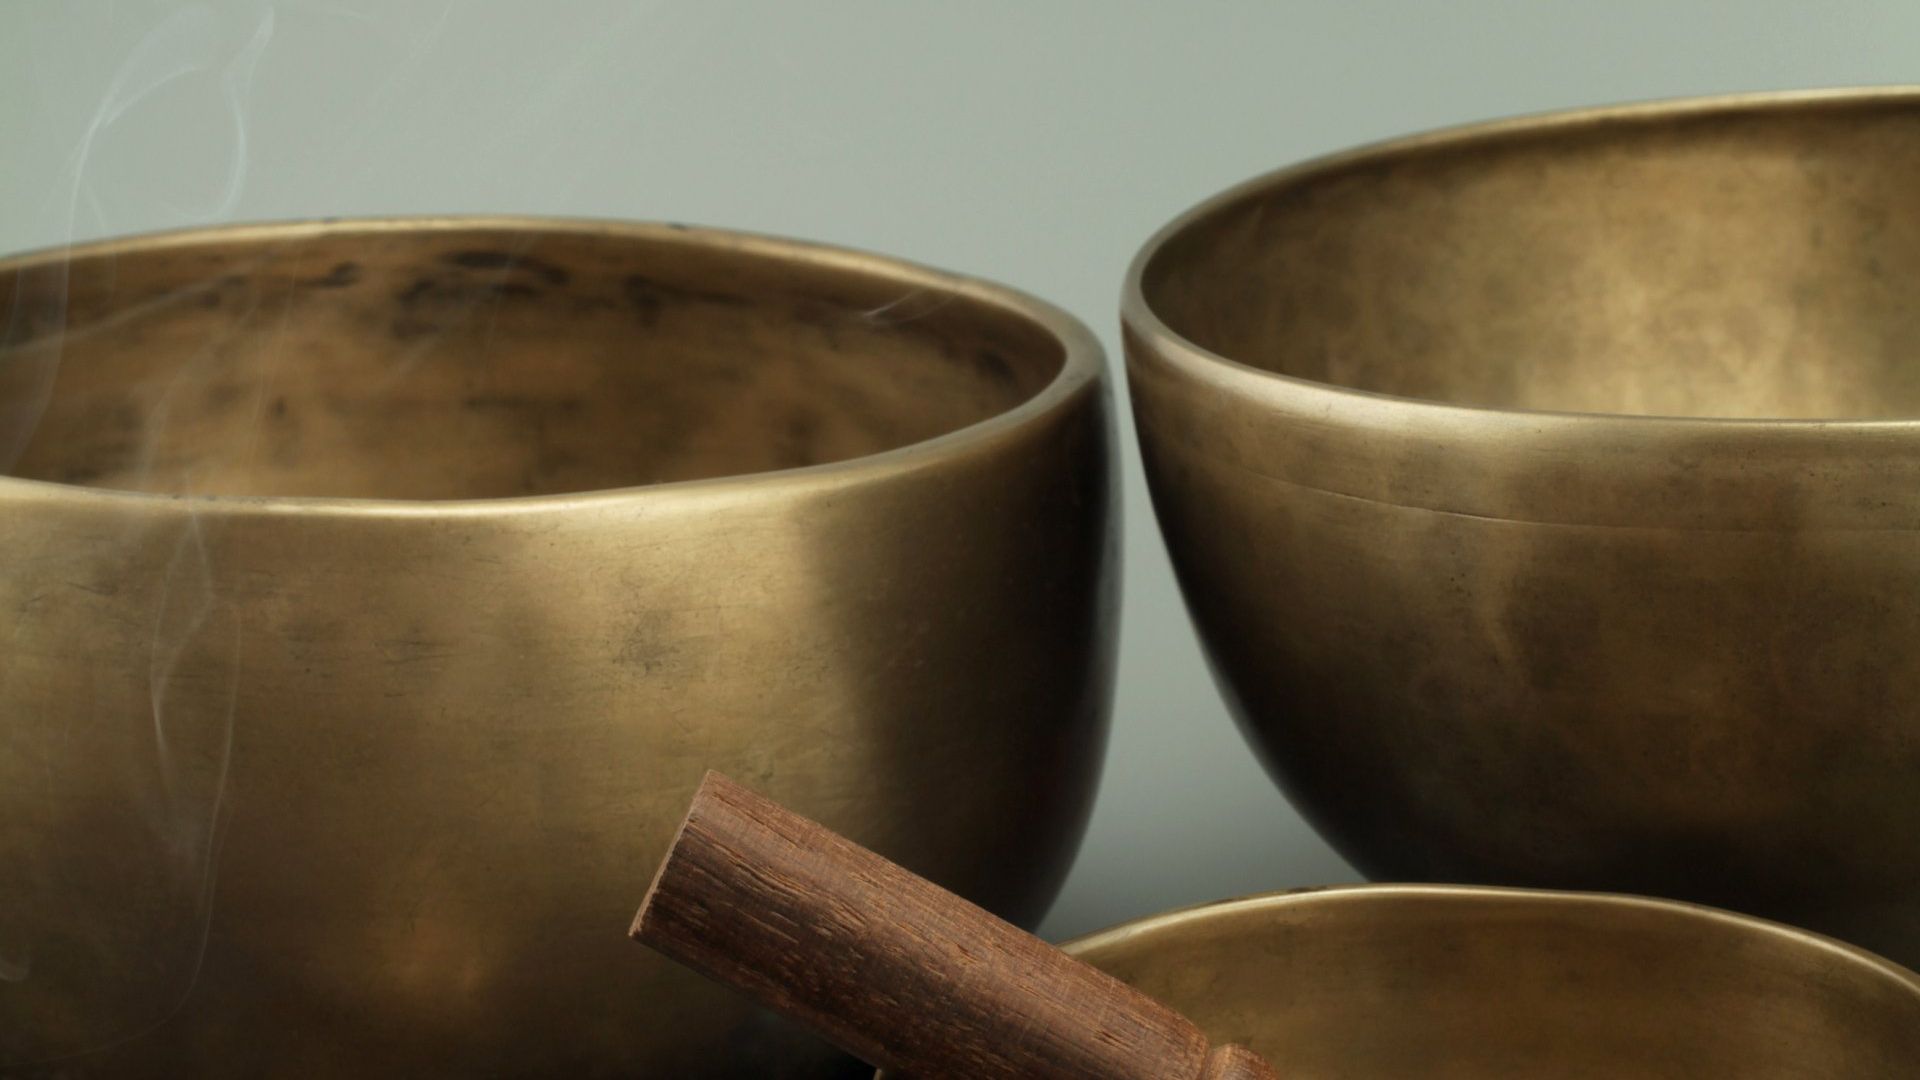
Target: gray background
1037, 143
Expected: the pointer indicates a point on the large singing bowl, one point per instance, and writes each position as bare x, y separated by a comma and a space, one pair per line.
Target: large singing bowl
1547, 495
1437, 983
375, 594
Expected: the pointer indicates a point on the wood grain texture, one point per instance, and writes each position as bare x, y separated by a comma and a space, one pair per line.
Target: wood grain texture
893, 968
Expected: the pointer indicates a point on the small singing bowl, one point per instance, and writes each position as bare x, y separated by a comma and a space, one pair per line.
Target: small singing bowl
1547, 495
1438, 982
378, 592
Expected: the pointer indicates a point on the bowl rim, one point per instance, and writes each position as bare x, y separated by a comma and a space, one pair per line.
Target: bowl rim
1316, 895
1082, 368
1144, 328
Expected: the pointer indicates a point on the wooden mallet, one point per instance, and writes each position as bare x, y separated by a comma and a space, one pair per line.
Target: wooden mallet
894, 969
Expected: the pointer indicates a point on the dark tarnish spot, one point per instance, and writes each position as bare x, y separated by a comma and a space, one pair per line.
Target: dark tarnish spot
210, 294
507, 260
428, 290
644, 299
994, 365
30, 320
648, 296
341, 276
279, 408
416, 292
429, 301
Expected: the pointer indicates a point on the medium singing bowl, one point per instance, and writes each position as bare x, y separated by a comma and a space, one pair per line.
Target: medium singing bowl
377, 593
1450, 983
1547, 495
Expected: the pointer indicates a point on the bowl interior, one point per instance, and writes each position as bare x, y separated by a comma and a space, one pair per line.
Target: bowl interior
1725, 261
478, 361
1437, 983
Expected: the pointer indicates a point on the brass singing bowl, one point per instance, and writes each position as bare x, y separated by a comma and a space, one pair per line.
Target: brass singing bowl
377, 593
1439, 983
1547, 495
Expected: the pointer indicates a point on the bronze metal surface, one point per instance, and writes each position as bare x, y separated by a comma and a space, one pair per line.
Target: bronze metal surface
376, 593
1547, 494
1429, 982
